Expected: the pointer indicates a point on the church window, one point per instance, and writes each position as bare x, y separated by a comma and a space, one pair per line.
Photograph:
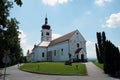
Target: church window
54, 52
61, 51
47, 33
42, 34
43, 54
77, 33
78, 45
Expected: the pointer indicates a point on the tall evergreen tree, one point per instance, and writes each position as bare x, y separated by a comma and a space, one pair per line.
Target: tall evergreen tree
103, 43
109, 54
100, 49
98, 53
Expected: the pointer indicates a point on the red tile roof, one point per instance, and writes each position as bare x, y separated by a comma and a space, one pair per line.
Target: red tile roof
63, 38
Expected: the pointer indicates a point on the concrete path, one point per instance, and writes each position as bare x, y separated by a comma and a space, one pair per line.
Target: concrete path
0, 72
94, 73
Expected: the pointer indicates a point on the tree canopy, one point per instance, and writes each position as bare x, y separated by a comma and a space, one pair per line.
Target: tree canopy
9, 41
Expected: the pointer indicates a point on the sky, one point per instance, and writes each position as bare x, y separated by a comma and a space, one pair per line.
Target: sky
64, 16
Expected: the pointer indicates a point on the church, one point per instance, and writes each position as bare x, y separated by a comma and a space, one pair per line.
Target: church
71, 46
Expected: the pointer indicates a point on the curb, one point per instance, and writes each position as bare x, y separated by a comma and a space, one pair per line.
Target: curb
54, 74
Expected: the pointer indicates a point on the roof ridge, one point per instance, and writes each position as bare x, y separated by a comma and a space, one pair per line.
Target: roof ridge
65, 35
63, 38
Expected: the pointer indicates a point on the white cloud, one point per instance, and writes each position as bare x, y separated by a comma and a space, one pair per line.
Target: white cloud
54, 2
22, 37
91, 49
113, 21
102, 2
54, 36
27, 47
23, 41
119, 48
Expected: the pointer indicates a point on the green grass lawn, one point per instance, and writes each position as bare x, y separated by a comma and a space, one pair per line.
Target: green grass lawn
55, 68
98, 64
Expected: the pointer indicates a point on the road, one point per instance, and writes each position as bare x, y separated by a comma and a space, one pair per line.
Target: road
94, 73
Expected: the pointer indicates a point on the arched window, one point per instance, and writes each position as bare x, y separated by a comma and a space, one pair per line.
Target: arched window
62, 51
78, 45
43, 54
54, 52
42, 34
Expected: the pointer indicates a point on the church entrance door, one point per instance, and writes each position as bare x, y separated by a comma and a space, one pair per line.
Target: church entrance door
82, 57
49, 56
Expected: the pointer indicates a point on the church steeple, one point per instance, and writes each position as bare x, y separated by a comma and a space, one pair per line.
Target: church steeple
46, 20
46, 26
46, 32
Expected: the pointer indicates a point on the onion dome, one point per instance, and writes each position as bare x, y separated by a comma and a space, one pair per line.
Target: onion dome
46, 26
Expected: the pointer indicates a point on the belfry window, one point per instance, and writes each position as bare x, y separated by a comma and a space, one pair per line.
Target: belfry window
42, 34
47, 33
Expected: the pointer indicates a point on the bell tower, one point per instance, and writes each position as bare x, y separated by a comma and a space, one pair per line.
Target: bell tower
46, 32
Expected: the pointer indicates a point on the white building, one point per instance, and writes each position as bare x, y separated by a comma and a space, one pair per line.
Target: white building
71, 46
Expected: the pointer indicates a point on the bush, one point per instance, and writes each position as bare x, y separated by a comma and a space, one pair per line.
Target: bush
68, 63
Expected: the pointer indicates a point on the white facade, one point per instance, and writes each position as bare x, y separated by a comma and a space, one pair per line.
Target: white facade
59, 51
39, 54
71, 46
75, 42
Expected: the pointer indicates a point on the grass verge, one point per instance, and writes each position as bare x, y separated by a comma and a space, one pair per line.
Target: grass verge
55, 68
98, 64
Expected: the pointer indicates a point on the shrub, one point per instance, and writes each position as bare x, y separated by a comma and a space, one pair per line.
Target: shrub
68, 63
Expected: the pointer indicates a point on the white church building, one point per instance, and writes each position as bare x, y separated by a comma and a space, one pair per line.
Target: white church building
71, 46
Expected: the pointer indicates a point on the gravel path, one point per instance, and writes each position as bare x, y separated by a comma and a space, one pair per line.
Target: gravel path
94, 73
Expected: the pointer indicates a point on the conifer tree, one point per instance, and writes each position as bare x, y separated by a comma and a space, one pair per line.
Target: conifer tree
109, 54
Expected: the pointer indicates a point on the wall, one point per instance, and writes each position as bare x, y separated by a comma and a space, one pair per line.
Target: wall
59, 56
77, 38
37, 56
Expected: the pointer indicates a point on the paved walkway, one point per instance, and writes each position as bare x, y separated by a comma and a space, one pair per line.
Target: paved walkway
0, 72
94, 73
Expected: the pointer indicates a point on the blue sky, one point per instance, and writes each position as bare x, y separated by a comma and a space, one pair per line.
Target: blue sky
88, 16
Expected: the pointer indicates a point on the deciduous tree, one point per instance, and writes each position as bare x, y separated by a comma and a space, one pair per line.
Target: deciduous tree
9, 40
